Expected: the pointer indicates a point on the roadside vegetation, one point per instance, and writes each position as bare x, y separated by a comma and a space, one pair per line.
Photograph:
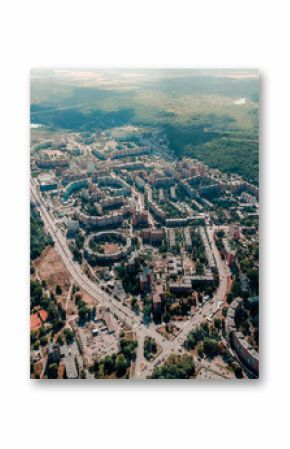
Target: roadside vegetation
176, 367
150, 348
39, 239
117, 365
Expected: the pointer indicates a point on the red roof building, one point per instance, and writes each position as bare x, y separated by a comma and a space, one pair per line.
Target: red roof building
35, 322
43, 315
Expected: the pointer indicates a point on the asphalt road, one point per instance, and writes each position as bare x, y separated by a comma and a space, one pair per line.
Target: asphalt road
124, 314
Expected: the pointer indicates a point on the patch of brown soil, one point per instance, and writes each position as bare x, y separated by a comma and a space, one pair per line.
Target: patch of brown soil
51, 268
110, 248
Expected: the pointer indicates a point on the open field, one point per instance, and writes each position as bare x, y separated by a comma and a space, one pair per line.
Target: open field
51, 268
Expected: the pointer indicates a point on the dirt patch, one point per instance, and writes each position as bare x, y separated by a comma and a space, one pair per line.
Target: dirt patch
51, 153
51, 268
132, 370
111, 248
229, 283
88, 299
38, 369
214, 369
130, 336
169, 332
188, 265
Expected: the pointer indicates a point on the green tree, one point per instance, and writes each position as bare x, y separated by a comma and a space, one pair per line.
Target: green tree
36, 345
58, 290
52, 371
210, 347
176, 367
60, 340
69, 335
33, 337
238, 372
109, 364
217, 323
121, 365
147, 312
43, 341
199, 268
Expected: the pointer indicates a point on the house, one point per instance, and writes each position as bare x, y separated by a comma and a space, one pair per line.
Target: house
35, 322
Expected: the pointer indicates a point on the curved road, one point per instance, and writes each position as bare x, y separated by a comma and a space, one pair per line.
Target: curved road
124, 314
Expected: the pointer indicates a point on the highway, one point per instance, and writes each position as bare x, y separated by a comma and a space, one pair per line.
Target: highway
75, 270
124, 314
209, 308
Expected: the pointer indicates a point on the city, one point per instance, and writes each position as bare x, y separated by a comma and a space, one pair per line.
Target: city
145, 265
144, 183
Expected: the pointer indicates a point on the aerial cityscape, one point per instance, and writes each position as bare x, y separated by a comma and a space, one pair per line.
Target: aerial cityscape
144, 218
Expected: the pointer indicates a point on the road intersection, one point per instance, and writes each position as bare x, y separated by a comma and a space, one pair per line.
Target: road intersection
123, 313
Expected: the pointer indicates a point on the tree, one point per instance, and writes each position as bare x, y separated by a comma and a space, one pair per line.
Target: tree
38, 237
53, 313
191, 341
176, 367
254, 279
84, 313
134, 305
199, 268
166, 318
42, 331
43, 341
150, 347
109, 364
210, 347
58, 290
36, 293
79, 240
224, 311
33, 337
36, 345
217, 323
52, 371
200, 350
121, 365
69, 335
147, 312
60, 340
238, 372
